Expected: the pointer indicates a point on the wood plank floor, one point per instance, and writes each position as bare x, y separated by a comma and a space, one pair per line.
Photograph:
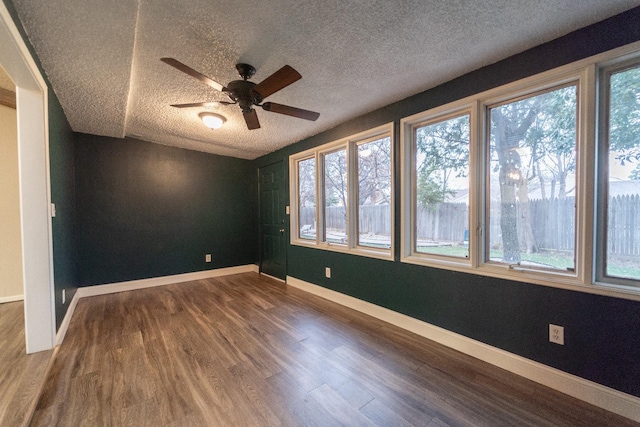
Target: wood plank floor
244, 350
21, 374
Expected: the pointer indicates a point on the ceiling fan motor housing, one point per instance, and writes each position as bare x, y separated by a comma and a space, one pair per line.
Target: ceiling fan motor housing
241, 91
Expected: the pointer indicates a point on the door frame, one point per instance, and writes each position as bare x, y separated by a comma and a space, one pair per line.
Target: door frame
286, 234
34, 181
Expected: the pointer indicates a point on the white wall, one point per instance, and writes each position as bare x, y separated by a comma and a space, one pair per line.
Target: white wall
10, 241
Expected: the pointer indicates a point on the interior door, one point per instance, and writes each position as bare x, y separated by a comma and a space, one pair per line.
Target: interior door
273, 235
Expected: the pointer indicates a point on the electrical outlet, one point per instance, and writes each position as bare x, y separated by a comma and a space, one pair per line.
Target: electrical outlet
556, 334
327, 272
64, 296
207, 258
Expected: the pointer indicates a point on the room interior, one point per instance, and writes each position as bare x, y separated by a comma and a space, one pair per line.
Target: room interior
142, 190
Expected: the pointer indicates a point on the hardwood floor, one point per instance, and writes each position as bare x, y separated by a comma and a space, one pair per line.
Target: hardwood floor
245, 350
21, 374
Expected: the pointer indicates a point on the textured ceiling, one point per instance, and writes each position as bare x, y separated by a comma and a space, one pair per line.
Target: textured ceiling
103, 57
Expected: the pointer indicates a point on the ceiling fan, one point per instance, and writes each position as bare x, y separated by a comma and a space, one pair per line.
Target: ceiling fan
248, 94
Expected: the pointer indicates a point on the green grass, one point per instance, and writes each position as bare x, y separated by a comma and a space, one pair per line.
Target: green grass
623, 270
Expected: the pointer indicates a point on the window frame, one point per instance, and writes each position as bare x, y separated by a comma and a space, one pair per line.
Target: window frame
577, 79
604, 71
322, 196
356, 190
295, 209
582, 72
409, 206
350, 144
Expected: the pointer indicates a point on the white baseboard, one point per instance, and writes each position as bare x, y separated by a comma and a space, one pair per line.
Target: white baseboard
12, 298
111, 288
62, 330
273, 277
596, 394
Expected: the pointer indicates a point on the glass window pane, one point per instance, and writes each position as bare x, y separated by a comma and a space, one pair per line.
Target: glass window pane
623, 201
307, 199
532, 181
335, 197
442, 187
374, 193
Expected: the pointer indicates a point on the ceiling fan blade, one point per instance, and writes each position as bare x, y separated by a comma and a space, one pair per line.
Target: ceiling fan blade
252, 119
193, 73
197, 104
291, 111
276, 81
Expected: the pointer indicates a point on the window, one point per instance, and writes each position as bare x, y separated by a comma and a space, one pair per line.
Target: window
307, 199
531, 180
335, 197
535, 181
374, 193
492, 183
441, 181
618, 242
351, 181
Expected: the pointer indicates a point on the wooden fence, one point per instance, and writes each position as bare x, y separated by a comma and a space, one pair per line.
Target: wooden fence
553, 223
624, 221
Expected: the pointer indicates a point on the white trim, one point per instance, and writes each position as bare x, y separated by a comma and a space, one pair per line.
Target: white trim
11, 298
408, 208
596, 394
33, 155
62, 330
132, 285
273, 277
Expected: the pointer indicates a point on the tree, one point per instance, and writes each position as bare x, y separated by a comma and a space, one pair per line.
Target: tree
541, 130
624, 116
307, 183
374, 172
335, 181
442, 153
510, 125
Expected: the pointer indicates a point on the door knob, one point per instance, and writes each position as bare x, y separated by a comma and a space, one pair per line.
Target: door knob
282, 230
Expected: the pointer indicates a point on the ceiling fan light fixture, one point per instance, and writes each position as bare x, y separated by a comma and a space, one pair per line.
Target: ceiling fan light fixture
212, 120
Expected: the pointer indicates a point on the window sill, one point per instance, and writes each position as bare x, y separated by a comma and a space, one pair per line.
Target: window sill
384, 254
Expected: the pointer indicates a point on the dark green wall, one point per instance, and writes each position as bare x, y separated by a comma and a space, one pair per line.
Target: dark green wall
147, 210
602, 334
61, 160
63, 194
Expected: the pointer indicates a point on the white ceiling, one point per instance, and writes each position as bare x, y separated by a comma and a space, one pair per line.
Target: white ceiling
103, 57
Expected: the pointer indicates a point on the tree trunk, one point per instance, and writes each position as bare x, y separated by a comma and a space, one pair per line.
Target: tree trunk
509, 221
525, 215
508, 134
